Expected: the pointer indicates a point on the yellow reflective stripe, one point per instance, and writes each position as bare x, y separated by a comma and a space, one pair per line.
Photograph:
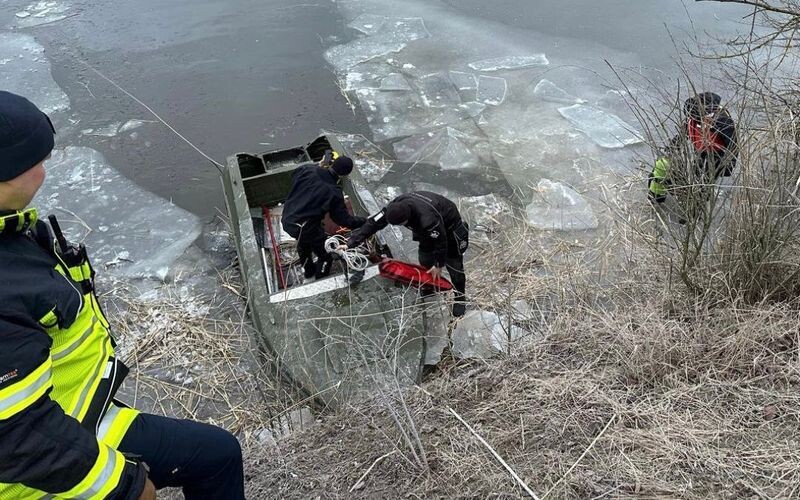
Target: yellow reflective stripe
66, 350
80, 273
80, 407
49, 320
103, 477
22, 394
115, 424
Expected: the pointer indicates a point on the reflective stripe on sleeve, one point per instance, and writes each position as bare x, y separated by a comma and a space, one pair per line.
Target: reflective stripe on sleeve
22, 394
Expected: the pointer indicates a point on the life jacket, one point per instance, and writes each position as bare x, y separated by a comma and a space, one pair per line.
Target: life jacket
413, 275
704, 137
659, 176
81, 372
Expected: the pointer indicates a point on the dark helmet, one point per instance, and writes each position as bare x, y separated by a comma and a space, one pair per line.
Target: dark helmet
702, 104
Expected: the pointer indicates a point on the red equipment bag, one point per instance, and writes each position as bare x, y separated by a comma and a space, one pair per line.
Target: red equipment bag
413, 275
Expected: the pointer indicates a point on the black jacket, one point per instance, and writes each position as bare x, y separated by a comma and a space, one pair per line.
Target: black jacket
41, 446
725, 128
315, 193
432, 221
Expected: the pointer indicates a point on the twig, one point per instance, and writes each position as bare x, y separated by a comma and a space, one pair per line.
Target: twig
360, 482
591, 445
496, 455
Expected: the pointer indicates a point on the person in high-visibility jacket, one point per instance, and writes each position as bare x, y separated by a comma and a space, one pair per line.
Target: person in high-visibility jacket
62, 432
659, 181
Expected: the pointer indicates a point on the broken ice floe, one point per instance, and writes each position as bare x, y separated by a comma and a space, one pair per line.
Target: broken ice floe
394, 82
463, 81
483, 334
26, 71
448, 148
548, 91
145, 234
113, 129
391, 36
510, 62
492, 90
472, 108
40, 13
437, 91
607, 130
369, 24
485, 213
559, 207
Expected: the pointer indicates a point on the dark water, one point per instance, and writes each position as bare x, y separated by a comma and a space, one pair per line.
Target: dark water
230, 75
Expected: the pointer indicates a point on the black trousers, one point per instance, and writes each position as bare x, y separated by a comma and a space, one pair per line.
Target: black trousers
204, 460
455, 267
310, 241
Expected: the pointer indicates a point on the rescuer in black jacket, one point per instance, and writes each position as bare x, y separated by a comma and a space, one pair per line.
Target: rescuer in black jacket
63, 434
710, 133
436, 224
315, 192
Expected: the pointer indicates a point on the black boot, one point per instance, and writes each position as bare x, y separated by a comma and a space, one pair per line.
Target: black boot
459, 309
324, 267
309, 269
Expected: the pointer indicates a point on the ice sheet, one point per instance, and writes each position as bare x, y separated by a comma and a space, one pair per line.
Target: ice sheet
510, 62
549, 91
437, 91
39, 13
463, 81
607, 130
25, 70
492, 90
392, 37
559, 207
395, 82
127, 230
369, 24
448, 148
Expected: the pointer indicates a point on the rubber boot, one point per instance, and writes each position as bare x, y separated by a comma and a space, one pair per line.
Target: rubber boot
324, 267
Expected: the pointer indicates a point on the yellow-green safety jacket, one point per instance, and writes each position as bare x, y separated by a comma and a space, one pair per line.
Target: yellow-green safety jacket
659, 178
59, 423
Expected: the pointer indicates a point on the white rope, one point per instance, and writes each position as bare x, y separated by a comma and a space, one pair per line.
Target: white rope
354, 259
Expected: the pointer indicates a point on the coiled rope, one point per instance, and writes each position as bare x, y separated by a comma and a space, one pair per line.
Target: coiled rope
354, 259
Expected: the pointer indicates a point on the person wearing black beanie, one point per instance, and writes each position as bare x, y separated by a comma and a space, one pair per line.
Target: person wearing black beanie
315, 193
62, 431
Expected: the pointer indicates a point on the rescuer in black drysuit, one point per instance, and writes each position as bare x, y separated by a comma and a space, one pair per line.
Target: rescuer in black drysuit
315, 192
436, 224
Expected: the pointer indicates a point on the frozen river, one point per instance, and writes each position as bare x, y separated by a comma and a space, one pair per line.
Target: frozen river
510, 105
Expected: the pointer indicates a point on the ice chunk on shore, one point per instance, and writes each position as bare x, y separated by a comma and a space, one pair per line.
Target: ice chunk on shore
483, 334
492, 90
485, 213
556, 206
510, 62
607, 130
463, 81
39, 13
548, 91
114, 216
447, 148
26, 71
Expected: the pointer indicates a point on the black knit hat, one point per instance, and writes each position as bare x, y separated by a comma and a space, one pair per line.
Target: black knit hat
26, 135
397, 212
342, 166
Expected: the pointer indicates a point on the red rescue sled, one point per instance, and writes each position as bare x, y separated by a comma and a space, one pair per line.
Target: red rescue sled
413, 275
